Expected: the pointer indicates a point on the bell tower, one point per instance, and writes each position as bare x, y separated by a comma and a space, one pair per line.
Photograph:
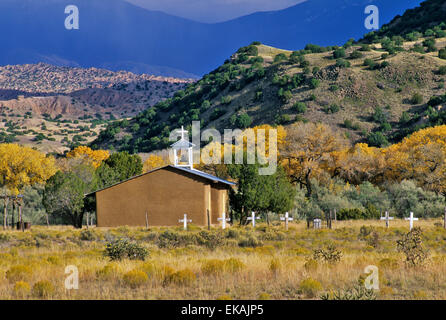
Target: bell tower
182, 151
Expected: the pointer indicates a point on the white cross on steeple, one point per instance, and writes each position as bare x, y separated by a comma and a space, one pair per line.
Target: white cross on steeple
182, 131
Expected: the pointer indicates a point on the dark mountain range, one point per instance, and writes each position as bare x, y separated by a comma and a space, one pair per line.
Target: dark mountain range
116, 35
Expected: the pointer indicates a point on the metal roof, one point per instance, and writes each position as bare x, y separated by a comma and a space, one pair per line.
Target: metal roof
192, 171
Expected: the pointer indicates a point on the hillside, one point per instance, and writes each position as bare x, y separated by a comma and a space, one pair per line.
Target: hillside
54, 108
375, 93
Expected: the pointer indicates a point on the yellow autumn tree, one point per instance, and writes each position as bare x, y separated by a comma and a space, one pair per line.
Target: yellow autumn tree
154, 161
420, 157
360, 163
95, 157
20, 167
309, 151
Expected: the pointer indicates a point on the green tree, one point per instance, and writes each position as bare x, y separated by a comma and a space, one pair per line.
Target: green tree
64, 193
259, 193
118, 167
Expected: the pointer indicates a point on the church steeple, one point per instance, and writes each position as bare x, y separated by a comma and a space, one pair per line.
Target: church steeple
182, 151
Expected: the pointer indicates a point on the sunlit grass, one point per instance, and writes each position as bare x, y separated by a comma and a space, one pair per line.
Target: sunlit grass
276, 269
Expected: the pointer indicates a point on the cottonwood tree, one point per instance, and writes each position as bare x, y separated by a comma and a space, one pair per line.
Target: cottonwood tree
20, 167
308, 151
96, 157
154, 161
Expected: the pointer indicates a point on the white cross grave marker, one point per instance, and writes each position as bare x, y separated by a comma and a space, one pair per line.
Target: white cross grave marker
411, 220
387, 218
286, 219
185, 221
223, 220
253, 218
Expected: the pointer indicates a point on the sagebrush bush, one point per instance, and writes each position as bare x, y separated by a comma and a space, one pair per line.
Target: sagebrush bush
310, 287
123, 248
21, 289
87, 235
171, 239
43, 289
250, 241
211, 240
19, 273
412, 246
108, 272
330, 254
311, 265
182, 278
213, 267
275, 265
135, 278
234, 265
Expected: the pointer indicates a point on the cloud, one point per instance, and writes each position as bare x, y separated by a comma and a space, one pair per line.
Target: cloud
213, 10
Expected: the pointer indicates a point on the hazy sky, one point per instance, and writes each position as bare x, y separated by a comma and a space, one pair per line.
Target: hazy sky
213, 10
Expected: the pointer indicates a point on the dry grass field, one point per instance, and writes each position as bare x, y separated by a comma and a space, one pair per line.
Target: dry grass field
236, 263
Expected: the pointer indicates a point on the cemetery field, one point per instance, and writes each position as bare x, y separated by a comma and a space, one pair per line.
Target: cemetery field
267, 262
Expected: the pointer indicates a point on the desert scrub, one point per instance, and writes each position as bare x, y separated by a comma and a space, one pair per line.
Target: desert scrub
109, 271
310, 287
358, 292
412, 246
251, 241
172, 239
135, 278
218, 267
275, 266
311, 265
211, 240
21, 289
123, 248
330, 254
43, 289
181, 278
19, 273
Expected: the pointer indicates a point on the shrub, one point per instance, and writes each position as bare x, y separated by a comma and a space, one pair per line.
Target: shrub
233, 234
300, 107
243, 121
342, 63
122, 248
442, 54
330, 254
442, 70
234, 265
213, 267
183, 277
135, 278
412, 246
416, 98
87, 235
314, 83
280, 57
251, 241
339, 53
107, 272
43, 289
377, 139
358, 292
356, 54
310, 287
311, 265
275, 265
21, 289
19, 273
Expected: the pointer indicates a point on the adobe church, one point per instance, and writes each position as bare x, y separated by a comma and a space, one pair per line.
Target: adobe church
164, 195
